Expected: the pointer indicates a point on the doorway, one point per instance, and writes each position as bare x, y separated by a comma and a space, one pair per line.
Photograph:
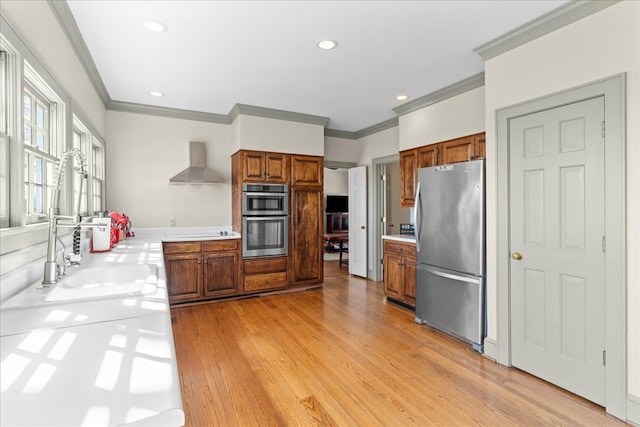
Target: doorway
336, 220
519, 282
387, 213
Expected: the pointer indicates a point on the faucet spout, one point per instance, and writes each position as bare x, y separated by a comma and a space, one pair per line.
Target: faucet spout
50, 265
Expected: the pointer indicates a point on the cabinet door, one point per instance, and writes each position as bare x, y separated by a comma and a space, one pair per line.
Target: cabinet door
220, 273
408, 177
307, 170
253, 166
480, 144
276, 168
428, 156
393, 275
457, 150
409, 274
306, 235
184, 277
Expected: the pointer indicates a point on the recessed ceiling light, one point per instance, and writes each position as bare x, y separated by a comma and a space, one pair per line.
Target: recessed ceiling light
402, 97
155, 26
327, 44
156, 93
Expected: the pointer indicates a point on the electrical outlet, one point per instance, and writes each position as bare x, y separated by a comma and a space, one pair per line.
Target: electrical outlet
172, 222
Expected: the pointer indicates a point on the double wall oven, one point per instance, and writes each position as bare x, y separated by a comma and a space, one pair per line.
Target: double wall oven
265, 209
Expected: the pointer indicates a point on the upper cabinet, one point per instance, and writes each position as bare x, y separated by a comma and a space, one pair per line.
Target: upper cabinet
307, 170
258, 166
408, 176
463, 149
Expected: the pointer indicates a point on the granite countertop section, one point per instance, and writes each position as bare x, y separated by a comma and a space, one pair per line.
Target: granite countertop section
101, 362
400, 238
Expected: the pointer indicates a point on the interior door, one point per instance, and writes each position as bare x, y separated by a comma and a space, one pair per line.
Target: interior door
556, 242
358, 221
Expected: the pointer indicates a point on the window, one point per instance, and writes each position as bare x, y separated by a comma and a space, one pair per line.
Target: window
4, 137
93, 152
40, 153
35, 130
97, 170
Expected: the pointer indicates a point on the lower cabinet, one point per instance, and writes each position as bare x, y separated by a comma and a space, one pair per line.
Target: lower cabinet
399, 264
265, 274
201, 270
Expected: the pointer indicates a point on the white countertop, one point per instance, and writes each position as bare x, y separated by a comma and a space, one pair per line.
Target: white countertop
401, 238
100, 362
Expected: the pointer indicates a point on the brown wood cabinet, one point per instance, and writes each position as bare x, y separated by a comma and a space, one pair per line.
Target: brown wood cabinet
462, 149
265, 274
305, 175
307, 170
306, 233
201, 270
259, 166
399, 264
337, 223
408, 176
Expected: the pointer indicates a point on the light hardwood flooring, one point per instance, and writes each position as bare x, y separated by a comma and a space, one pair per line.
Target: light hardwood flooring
341, 355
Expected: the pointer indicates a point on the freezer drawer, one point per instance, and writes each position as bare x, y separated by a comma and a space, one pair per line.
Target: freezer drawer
452, 303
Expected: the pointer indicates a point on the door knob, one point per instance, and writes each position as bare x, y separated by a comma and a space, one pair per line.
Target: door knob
517, 256
362, 227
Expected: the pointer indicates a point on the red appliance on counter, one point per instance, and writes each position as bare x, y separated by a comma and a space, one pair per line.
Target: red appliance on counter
122, 224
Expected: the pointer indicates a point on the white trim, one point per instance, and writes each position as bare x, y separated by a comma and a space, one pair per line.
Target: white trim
633, 409
613, 90
491, 348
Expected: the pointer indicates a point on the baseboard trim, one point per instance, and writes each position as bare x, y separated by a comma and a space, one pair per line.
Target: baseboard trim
491, 348
633, 409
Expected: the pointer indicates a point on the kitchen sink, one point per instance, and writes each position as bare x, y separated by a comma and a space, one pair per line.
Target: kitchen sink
105, 282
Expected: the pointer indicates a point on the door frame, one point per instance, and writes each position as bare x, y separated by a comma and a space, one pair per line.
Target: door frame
376, 202
613, 89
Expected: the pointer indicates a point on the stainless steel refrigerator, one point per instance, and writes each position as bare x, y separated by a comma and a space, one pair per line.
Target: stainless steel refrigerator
450, 242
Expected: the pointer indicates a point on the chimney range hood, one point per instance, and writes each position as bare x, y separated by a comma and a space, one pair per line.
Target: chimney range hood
197, 172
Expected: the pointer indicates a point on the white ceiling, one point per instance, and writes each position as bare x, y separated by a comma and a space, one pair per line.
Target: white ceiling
263, 53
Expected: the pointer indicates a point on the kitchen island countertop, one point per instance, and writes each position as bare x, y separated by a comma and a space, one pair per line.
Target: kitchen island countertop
96, 362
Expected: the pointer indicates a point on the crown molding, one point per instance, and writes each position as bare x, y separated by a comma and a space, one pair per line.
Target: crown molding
270, 113
387, 124
174, 113
64, 16
559, 17
439, 95
344, 134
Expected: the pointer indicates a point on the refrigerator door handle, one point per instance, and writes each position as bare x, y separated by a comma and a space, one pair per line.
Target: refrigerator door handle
416, 219
458, 277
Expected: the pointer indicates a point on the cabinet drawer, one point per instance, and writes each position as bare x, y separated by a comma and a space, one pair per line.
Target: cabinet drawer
403, 248
220, 245
265, 265
181, 247
262, 282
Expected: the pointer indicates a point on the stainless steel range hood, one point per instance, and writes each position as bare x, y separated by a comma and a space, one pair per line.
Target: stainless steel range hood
197, 172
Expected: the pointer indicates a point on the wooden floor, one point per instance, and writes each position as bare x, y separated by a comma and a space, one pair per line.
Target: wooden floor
341, 355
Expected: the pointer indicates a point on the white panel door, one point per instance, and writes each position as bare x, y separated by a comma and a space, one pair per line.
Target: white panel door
557, 260
358, 221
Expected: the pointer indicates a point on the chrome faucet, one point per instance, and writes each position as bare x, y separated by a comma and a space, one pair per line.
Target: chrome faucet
51, 267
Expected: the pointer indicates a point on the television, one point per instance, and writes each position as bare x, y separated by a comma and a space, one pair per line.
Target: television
337, 204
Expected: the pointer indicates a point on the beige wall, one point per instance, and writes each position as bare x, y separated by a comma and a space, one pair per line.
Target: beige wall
340, 149
457, 116
336, 182
145, 151
282, 136
593, 48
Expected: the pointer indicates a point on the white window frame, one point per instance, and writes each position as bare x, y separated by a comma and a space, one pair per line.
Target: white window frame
10, 74
93, 150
